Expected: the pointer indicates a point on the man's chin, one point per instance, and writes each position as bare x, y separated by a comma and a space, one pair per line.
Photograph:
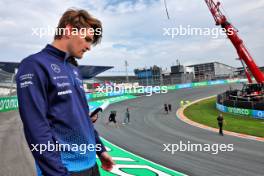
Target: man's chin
79, 57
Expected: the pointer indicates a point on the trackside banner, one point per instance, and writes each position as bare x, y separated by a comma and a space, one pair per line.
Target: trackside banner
8, 104
171, 87
246, 112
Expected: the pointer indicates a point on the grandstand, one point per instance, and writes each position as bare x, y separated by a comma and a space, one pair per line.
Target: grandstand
8, 70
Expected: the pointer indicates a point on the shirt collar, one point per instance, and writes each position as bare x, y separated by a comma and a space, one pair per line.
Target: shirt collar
56, 52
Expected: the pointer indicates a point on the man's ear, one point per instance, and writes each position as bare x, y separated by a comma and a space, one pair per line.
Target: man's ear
68, 31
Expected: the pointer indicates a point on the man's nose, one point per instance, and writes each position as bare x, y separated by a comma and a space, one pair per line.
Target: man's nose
88, 46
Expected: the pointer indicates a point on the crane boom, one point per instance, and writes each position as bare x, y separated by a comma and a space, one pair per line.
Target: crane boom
232, 34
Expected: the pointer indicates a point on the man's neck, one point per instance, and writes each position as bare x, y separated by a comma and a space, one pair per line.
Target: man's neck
59, 44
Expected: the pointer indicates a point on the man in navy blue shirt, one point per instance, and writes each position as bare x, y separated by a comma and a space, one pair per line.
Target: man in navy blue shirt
52, 102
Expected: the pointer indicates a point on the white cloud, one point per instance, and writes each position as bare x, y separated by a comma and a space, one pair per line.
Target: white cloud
137, 26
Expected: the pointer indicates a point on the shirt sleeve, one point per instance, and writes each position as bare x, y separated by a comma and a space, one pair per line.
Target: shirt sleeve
32, 86
98, 141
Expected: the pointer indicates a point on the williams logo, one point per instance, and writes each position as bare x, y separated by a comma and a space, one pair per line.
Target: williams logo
75, 72
55, 68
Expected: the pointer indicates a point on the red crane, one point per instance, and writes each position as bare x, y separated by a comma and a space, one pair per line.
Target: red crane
232, 34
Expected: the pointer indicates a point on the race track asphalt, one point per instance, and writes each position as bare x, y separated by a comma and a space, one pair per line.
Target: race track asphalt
150, 128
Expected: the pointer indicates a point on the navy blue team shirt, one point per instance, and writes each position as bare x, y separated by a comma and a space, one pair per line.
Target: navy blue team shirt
54, 110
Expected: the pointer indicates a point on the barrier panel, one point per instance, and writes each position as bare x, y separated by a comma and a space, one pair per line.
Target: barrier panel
8, 104
257, 114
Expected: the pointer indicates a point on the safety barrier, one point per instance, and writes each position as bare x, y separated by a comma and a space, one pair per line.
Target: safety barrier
10, 103
170, 87
257, 114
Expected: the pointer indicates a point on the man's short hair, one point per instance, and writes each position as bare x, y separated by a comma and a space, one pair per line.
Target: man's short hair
80, 19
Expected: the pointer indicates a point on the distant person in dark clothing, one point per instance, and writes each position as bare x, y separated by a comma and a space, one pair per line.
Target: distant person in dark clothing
112, 118
166, 108
169, 106
220, 120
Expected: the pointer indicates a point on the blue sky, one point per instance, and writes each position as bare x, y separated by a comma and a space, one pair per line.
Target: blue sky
134, 31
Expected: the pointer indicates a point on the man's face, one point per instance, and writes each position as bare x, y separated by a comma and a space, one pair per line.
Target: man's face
80, 42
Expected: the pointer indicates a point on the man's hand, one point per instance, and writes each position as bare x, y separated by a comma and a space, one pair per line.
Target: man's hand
94, 118
94, 115
107, 161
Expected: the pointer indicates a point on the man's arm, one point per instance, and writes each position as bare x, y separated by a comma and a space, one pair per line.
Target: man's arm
33, 105
105, 158
98, 141
93, 117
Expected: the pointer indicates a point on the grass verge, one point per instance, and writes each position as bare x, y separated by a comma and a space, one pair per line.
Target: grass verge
205, 112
